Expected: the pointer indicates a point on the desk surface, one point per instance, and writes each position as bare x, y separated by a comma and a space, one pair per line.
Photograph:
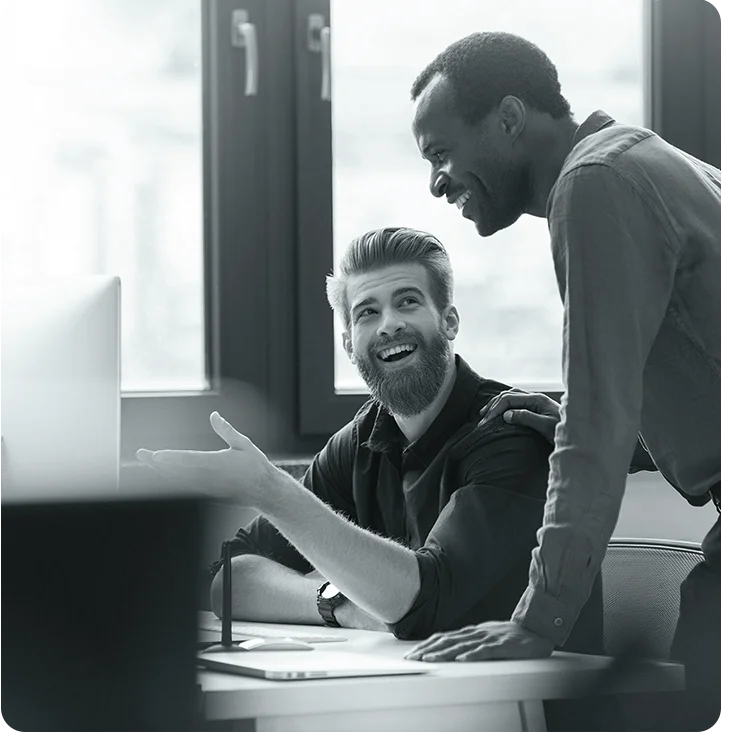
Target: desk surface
563, 675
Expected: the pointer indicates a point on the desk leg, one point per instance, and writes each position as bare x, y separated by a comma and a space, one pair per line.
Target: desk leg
532, 715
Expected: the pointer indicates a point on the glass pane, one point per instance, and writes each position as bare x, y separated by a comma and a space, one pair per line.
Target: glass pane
101, 149
505, 287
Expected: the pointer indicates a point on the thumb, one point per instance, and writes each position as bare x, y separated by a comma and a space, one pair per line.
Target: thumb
226, 432
541, 423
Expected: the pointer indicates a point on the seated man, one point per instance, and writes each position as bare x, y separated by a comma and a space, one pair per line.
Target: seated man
413, 518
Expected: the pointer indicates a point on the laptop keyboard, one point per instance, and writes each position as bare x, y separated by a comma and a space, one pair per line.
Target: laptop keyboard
265, 632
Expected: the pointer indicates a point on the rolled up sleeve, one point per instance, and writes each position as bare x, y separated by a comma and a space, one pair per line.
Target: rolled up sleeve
485, 531
615, 267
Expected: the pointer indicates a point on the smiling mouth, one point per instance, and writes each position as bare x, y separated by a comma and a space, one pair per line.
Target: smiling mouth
463, 199
396, 353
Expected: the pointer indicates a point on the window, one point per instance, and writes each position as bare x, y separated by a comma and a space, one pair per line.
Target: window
102, 153
505, 288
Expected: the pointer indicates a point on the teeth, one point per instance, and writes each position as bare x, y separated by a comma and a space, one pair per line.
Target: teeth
462, 200
395, 350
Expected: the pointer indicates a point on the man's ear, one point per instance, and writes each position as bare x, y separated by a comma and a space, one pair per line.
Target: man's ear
451, 322
511, 116
347, 343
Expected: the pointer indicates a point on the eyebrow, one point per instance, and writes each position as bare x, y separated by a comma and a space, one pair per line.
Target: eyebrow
397, 293
429, 147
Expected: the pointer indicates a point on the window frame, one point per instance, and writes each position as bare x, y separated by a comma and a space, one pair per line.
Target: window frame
268, 224
248, 250
322, 408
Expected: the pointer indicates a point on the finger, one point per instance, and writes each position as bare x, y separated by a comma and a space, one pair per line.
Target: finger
513, 390
436, 642
144, 455
450, 653
226, 431
182, 459
510, 400
541, 423
482, 652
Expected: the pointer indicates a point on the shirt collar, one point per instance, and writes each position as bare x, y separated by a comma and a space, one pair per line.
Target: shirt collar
386, 435
596, 121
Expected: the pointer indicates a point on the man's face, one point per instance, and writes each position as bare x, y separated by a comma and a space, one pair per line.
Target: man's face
474, 166
398, 339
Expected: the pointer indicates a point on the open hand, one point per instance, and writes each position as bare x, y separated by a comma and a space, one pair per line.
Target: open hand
489, 640
532, 409
238, 472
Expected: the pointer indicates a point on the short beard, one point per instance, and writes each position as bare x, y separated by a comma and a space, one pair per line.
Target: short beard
410, 390
515, 195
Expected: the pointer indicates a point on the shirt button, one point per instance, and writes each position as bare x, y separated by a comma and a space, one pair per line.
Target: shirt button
558, 622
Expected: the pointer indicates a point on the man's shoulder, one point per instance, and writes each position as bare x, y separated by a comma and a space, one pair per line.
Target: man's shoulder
476, 437
607, 146
480, 438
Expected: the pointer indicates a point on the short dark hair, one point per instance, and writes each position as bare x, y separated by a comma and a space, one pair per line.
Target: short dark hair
483, 68
390, 246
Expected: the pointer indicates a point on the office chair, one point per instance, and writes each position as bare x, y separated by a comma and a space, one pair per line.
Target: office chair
641, 580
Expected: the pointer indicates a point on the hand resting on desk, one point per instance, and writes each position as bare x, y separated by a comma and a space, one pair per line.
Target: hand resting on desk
489, 640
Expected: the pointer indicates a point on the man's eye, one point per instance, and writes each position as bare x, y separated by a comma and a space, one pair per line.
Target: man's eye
439, 156
365, 312
409, 301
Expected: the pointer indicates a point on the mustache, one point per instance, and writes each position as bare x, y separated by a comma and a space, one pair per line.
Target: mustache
385, 343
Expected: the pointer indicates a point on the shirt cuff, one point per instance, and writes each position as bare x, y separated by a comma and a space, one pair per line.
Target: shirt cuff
545, 615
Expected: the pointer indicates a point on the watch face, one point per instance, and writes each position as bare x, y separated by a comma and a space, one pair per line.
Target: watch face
330, 591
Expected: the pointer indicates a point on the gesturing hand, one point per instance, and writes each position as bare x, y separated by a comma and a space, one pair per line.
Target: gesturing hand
532, 409
238, 472
489, 640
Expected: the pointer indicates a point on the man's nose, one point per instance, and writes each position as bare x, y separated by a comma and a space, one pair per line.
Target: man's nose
438, 183
391, 322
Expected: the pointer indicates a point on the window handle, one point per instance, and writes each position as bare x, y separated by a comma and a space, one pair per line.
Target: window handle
318, 40
325, 84
244, 35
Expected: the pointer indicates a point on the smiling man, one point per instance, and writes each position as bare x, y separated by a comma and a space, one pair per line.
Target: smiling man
413, 518
635, 228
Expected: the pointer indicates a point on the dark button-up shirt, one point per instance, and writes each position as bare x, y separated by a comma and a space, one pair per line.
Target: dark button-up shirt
468, 500
635, 228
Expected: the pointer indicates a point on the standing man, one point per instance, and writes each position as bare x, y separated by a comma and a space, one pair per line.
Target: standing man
635, 235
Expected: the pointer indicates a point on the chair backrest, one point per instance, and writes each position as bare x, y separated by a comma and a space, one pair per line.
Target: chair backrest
641, 580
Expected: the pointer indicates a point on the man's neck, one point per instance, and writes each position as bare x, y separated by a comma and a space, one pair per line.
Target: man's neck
552, 144
415, 427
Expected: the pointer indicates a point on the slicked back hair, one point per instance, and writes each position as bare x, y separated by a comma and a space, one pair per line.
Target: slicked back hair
485, 67
381, 248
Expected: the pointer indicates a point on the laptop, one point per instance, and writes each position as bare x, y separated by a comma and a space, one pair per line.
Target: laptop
317, 664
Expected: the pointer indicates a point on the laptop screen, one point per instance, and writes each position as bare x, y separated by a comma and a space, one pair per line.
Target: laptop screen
99, 614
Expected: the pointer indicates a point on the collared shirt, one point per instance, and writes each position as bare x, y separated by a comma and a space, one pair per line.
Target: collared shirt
635, 233
468, 500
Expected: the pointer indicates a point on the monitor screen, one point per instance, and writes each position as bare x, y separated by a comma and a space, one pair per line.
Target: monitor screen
60, 387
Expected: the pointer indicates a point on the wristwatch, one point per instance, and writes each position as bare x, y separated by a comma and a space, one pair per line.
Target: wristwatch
329, 598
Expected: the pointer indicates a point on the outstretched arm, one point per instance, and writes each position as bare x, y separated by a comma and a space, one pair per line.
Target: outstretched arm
377, 574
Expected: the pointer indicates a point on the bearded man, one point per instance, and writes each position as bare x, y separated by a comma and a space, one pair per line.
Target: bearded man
414, 518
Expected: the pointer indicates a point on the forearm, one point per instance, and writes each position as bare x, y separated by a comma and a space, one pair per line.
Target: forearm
265, 590
376, 573
351, 616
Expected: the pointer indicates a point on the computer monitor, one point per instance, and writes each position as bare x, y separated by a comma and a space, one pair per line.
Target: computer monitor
100, 613
61, 387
